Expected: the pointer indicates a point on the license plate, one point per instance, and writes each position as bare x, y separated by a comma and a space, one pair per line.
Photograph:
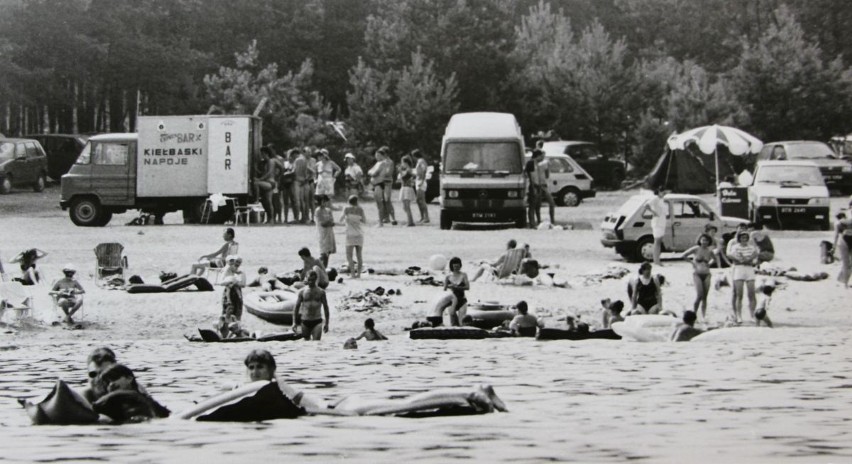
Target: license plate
790, 209
484, 215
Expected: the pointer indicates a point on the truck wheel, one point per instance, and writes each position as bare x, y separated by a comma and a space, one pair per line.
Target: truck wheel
104, 219
521, 221
40, 182
569, 196
87, 212
446, 220
6, 184
644, 250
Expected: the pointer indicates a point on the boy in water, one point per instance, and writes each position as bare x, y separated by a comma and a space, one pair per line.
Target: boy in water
370, 333
685, 331
311, 304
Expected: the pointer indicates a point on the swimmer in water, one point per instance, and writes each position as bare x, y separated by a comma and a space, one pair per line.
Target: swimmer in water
311, 305
370, 333
686, 331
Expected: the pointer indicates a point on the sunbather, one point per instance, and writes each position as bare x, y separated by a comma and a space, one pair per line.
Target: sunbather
217, 258
512, 257
27, 260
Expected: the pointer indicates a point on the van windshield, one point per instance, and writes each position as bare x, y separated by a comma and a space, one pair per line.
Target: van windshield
7, 151
813, 150
490, 157
799, 175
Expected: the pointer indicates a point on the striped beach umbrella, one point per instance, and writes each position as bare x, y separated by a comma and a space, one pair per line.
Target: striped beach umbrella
708, 138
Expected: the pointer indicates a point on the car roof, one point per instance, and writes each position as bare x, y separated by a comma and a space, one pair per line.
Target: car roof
566, 143
787, 163
482, 125
15, 140
794, 142
115, 136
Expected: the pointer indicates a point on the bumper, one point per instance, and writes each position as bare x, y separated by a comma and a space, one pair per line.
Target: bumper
793, 216
485, 215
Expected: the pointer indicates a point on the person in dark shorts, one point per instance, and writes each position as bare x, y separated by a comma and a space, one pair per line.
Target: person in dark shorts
764, 298
311, 305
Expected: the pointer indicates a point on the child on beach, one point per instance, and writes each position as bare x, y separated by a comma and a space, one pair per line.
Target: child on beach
761, 313
370, 333
354, 218
311, 305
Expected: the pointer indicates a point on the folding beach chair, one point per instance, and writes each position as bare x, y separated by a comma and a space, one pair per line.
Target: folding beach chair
16, 297
512, 263
110, 261
58, 310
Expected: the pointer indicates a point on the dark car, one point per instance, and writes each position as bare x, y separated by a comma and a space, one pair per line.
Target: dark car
22, 163
606, 172
62, 151
836, 172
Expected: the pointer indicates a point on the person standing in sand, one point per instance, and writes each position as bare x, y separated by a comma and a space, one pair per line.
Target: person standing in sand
311, 306
353, 175
326, 172
234, 279
406, 191
354, 218
421, 169
702, 259
325, 229
743, 256
843, 244
659, 212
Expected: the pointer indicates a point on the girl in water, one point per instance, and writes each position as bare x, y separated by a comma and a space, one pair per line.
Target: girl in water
370, 333
702, 259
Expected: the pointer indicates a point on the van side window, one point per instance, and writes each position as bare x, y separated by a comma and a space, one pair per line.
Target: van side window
110, 154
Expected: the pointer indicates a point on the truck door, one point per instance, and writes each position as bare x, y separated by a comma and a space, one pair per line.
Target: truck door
111, 173
20, 167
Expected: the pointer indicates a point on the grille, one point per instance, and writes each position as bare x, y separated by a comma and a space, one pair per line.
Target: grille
793, 201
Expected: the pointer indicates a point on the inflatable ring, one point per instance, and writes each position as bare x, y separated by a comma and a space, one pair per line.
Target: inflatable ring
487, 315
275, 307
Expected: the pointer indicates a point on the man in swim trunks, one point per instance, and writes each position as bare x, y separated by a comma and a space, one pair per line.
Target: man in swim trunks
311, 305
312, 264
686, 331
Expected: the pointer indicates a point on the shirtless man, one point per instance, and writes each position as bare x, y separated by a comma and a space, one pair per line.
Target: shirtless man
309, 263
307, 311
68, 293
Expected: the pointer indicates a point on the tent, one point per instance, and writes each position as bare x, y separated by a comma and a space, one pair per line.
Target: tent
690, 171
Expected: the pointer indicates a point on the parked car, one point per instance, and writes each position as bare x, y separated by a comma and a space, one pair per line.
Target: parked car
629, 229
22, 164
607, 172
62, 151
788, 193
569, 183
836, 172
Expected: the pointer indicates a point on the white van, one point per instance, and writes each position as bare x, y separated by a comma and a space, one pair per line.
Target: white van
482, 159
789, 194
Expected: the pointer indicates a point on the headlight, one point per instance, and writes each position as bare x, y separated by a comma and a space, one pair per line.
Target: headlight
818, 201
847, 168
514, 193
768, 201
452, 193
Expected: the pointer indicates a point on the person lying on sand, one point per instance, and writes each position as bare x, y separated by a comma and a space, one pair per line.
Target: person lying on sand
265, 281
260, 365
311, 305
523, 324
686, 331
370, 333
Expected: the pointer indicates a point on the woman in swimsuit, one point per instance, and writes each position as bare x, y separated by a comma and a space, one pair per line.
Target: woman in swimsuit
702, 259
27, 259
457, 282
646, 295
843, 231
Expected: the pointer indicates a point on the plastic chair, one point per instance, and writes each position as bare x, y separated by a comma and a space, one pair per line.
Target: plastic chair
245, 212
16, 297
512, 263
110, 261
61, 313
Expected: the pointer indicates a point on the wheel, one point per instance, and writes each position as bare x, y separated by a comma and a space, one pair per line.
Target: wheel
87, 212
569, 197
521, 221
6, 184
446, 221
106, 216
40, 182
644, 249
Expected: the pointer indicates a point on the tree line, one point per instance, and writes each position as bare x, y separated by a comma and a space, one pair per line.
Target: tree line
622, 73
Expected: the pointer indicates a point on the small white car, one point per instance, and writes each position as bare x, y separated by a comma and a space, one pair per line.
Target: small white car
629, 229
789, 193
569, 183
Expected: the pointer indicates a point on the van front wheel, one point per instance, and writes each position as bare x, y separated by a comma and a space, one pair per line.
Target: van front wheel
87, 212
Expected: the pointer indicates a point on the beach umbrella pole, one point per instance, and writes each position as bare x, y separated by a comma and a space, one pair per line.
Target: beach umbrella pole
716, 156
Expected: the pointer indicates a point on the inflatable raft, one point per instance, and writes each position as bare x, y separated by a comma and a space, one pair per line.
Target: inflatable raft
448, 333
560, 334
211, 336
256, 401
172, 285
275, 307
646, 328
62, 406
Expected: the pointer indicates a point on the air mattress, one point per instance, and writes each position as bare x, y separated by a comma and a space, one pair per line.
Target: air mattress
211, 336
275, 307
172, 285
740, 334
448, 333
645, 328
62, 406
560, 334
256, 401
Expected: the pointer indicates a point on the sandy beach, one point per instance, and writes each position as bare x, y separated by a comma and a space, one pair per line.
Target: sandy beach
782, 397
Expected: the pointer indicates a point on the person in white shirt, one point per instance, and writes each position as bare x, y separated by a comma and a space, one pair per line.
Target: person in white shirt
659, 214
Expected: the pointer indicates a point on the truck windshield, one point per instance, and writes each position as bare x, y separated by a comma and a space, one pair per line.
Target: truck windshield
813, 150
484, 157
799, 175
7, 151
